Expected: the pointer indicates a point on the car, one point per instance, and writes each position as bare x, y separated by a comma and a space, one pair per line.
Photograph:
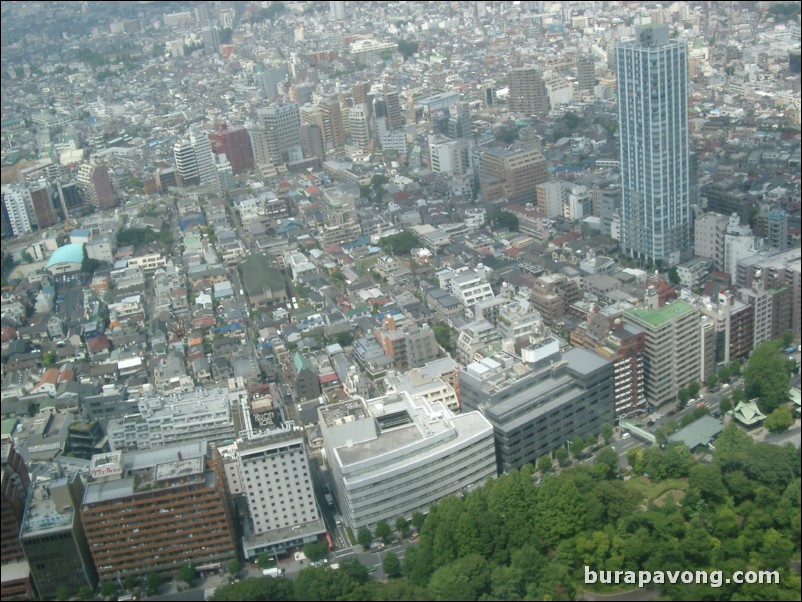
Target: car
700, 405
626, 436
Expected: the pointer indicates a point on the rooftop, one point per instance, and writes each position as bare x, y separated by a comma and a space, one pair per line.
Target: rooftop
658, 317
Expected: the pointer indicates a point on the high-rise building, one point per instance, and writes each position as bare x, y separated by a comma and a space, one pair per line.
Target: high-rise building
395, 455
672, 351
276, 138
16, 484
194, 160
42, 204
235, 144
527, 92
273, 468
16, 209
95, 184
341, 224
359, 125
654, 142
392, 103
53, 538
156, 510
512, 174
312, 141
337, 9
585, 73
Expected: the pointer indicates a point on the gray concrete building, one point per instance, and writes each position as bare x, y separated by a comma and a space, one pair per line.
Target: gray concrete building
537, 402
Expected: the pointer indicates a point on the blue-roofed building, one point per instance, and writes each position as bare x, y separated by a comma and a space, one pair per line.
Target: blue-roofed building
191, 219
66, 259
80, 236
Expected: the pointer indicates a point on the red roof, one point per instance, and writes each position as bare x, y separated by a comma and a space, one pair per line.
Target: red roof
331, 377
8, 334
512, 252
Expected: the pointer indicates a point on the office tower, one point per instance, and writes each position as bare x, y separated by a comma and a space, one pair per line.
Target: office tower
327, 116
359, 93
235, 144
95, 185
337, 10
672, 351
273, 468
194, 160
459, 121
359, 125
426, 454
157, 510
276, 138
16, 208
512, 174
655, 152
211, 40
392, 103
15, 486
42, 205
540, 400
585, 73
70, 198
311, 137
527, 92
53, 538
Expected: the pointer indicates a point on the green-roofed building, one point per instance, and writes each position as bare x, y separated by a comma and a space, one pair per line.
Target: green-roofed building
307, 380
263, 282
672, 357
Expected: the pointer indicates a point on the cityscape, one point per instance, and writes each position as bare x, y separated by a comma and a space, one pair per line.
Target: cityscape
317, 300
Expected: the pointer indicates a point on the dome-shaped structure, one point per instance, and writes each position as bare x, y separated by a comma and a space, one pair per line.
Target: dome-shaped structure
66, 259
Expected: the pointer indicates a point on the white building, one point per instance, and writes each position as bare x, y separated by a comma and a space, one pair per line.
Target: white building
175, 418
17, 206
395, 455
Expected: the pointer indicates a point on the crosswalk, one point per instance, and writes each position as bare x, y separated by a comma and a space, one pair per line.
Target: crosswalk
209, 592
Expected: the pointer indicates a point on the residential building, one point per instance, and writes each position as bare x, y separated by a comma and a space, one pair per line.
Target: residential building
655, 147
42, 204
527, 92
16, 484
551, 198
235, 144
410, 346
202, 414
276, 139
341, 224
17, 210
395, 455
672, 355
306, 379
512, 174
95, 184
709, 232
327, 116
552, 294
586, 73
194, 161
157, 510
359, 127
468, 286
538, 401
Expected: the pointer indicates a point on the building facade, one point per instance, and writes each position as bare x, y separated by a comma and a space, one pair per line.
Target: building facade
157, 510
654, 142
395, 455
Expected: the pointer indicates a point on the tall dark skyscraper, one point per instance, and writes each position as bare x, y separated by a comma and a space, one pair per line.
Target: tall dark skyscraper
655, 153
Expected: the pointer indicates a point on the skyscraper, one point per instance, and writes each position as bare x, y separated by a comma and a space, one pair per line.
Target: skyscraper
655, 157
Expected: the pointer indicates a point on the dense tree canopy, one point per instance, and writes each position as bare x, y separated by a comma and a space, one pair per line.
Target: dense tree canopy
514, 539
766, 376
399, 244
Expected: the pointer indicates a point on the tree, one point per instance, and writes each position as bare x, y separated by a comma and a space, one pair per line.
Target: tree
725, 405
391, 565
577, 446
233, 567
383, 531
49, 358
316, 551
673, 275
693, 388
63, 593
364, 537
407, 48
779, 420
562, 456
505, 219
607, 433
608, 459
444, 335
86, 593
711, 380
108, 589
402, 526
153, 582
398, 244
724, 374
544, 464
270, 588
264, 560
766, 377
188, 573
129, 583
418, 519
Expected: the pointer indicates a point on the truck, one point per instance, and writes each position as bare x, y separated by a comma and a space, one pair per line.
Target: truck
272, 572
329, 499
